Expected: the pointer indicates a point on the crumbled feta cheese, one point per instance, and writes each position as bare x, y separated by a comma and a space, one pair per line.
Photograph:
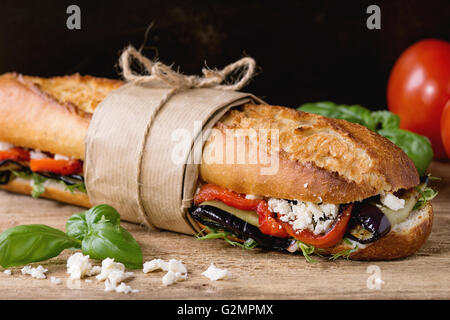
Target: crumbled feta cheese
305, 185
112, 271
55, 280
60, 157
123, 288
252, 197
214, 273
95, 270
155, 264
5, 146
38, 273
317, 218
26, 270
109, 286
78, 266
7, 272
391, 201
280, 206
171, 277
37, 154
176, 270
177, 266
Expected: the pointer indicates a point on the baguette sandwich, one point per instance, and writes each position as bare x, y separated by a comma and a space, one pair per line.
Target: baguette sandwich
338, 188
43, 123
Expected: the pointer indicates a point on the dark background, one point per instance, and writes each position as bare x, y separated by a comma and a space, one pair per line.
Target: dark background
305, 50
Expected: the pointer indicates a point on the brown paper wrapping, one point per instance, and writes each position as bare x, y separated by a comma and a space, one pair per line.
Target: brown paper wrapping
129, 163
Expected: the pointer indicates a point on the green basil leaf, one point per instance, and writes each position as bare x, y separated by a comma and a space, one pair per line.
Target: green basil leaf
417, 147
105, 240
386, 120
25, 244
102, 213
354, 113
76, 226
38, 185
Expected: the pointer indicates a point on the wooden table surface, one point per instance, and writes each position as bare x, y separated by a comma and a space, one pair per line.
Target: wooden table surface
256, 274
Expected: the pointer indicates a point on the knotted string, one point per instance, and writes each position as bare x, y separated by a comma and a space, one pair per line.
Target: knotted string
210, 79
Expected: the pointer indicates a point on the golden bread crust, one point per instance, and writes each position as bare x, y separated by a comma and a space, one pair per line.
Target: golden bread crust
398, 243
320, 159
50, 114
53, 191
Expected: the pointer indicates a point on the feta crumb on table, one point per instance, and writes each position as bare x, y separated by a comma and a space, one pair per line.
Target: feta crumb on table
78, 266
155, 264
171, 277
38, 273
55, 280
7, 272
214, 273
176, 270
113, 271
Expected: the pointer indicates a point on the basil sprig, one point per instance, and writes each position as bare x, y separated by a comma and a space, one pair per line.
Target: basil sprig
97, 232
24, 244
102, 236
385, 123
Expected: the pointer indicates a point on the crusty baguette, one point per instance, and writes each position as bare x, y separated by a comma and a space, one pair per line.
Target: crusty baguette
53, 190
403, 240
50, 114
320, 159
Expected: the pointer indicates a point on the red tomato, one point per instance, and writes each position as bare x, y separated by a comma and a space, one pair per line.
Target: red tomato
419, 87
445, 127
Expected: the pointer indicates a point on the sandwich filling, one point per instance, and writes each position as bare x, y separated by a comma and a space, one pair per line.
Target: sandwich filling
38, 167
283, 224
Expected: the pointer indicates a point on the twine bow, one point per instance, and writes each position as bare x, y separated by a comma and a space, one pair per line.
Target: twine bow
210, 79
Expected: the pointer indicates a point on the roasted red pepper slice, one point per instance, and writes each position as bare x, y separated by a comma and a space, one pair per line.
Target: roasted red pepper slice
331, 238
210, 192
16, 154
268, 224
61, 167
